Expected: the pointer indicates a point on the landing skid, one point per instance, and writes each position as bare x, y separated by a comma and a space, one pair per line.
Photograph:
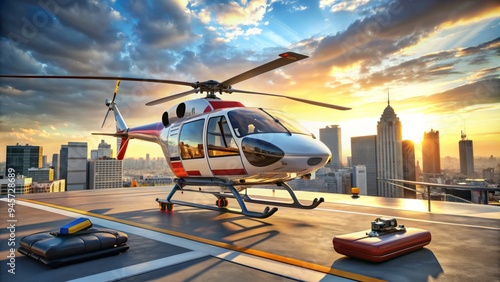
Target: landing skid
294, 204
221, 203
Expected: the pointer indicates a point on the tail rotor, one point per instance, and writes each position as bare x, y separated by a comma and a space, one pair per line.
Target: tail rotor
111, 103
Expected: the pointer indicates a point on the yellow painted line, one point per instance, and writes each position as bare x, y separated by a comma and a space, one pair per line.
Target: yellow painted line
257, 253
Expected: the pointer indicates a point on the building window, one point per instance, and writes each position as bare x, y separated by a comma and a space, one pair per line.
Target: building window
191, 140
220, 141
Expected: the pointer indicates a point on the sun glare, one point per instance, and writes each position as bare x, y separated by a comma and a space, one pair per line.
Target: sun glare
414, 127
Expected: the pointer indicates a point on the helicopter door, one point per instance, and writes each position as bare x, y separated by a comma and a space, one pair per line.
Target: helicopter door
191, 149
223, 154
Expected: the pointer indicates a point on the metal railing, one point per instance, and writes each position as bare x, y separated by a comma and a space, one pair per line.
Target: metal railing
482, 190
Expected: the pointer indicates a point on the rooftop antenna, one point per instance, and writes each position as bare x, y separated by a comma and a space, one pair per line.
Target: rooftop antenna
463, 135
388, 100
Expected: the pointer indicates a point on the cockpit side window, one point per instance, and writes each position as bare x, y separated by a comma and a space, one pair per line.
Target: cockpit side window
252, 120
191, 140
220, 141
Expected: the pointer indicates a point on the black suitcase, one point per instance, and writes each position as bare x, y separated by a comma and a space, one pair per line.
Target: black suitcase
55, 249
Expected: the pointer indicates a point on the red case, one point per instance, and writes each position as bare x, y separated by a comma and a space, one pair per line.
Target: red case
381, 248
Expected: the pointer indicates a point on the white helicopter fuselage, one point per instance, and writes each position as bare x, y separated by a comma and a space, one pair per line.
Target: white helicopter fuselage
210, 138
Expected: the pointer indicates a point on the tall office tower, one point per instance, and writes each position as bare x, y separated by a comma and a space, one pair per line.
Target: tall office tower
409, 172
359, 179
332, 137
431, 157
103, 150
55, 165
63, 163
466, 154
77, 166
21, 158
364, 152
389, 152
105, 173
45, 163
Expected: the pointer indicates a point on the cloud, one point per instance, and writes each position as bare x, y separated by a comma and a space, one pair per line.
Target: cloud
463, 98
392, 28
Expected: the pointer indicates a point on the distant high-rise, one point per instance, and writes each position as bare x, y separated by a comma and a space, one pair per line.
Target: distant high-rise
55, 165
359, 179
409, 172
63, 162
431, 156
41, 174
466, 154
104, 150
21, 158
332, 137
364, 152
389, 152
77, 166
105, 173
45, 162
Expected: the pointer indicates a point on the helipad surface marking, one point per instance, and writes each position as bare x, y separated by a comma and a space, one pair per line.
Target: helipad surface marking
133, 270
271, 263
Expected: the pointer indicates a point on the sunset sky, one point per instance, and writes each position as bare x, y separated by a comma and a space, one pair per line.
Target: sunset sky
439, 60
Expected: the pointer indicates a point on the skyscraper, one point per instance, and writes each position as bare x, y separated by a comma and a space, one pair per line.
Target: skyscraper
409, 172
359, 179
63, 162
55, 165
21, 158
105, 173
466, 154
389, 152
104, 150
364, 152
332, 137
77, 166
431, 156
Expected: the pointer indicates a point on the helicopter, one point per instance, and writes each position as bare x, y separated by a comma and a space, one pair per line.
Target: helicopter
222, 145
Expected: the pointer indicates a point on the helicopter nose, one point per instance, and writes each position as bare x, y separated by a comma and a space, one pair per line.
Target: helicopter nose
292, 153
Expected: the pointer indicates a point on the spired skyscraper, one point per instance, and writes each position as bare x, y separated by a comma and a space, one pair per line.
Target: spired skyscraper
466, 153
389, 152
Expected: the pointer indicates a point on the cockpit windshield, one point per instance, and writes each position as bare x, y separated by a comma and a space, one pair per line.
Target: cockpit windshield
252, 120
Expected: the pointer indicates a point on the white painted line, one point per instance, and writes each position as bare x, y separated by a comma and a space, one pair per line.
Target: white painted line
137, 269
247, 260
413, 219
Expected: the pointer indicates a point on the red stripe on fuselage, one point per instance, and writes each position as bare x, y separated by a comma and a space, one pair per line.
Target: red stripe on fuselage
225, 104
193, 173
238, 171
178, 169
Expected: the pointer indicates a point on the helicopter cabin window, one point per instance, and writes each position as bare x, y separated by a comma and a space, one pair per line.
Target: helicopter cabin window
191, 140
220, 141
247, 121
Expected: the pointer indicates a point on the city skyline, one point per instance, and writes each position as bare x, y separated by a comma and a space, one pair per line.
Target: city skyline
439, 62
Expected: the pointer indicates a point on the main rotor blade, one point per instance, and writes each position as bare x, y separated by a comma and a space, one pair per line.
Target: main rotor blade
320, 104
171, 97
103, 78
285, 59
116, 90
